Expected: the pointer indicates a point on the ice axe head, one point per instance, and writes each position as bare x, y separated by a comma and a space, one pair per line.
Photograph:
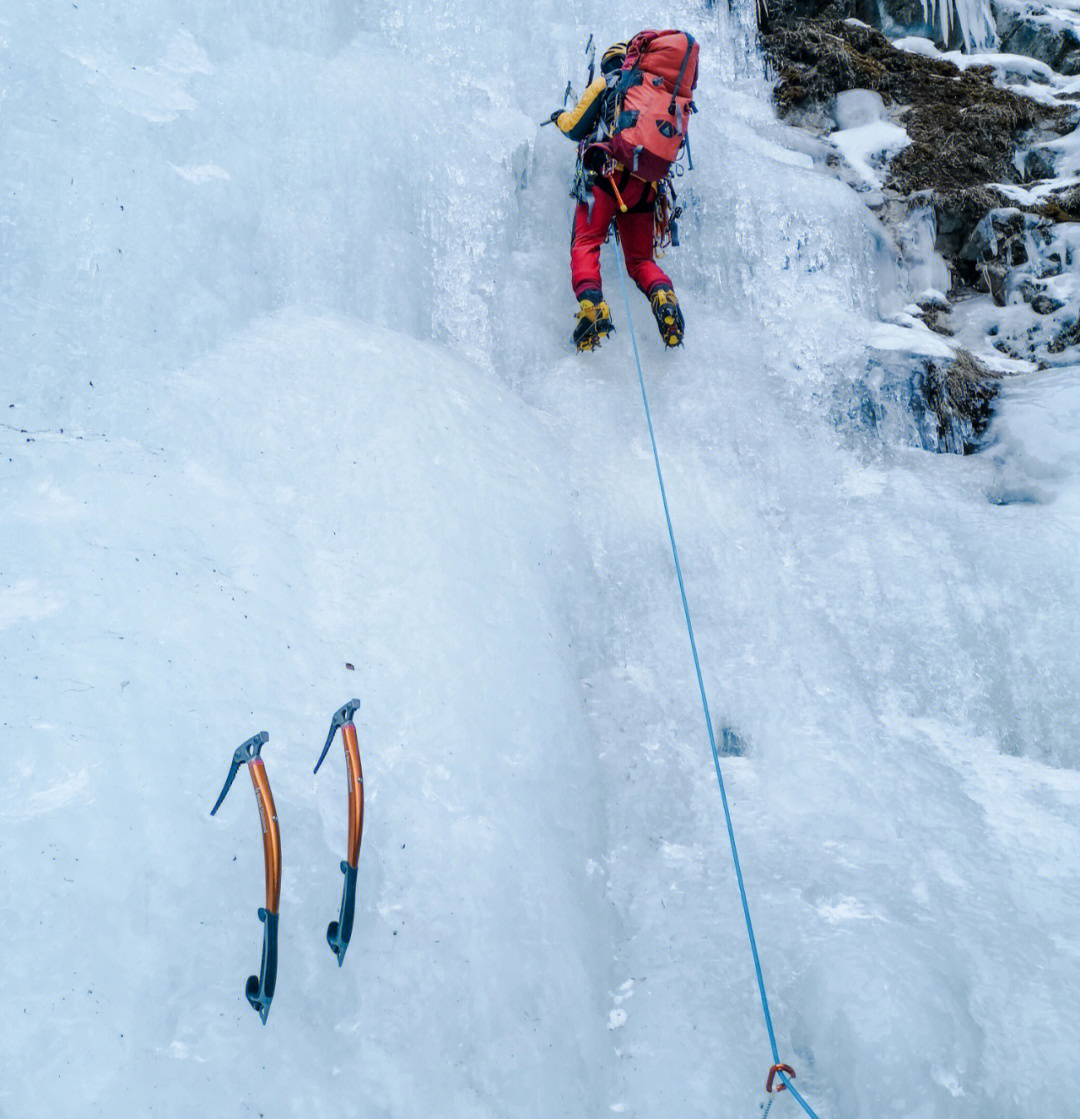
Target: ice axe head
342, 716
247, 752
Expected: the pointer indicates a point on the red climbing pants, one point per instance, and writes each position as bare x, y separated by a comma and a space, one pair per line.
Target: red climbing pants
635, 232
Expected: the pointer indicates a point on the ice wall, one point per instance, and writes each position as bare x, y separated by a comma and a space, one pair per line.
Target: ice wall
206, 568
287, 385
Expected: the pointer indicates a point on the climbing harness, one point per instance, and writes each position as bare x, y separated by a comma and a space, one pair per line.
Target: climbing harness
339, 932
260, 988
784, 1072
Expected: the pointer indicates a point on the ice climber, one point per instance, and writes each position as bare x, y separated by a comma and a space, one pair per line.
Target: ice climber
630, 125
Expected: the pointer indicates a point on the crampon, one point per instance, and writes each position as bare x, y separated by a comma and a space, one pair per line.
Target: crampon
593, 323
669, 319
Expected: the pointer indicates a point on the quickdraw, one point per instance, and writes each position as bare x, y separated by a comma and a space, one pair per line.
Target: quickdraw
667, 213
260, 988
339, 932
787, 1070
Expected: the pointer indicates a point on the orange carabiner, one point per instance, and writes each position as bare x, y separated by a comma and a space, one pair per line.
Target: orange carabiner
786, 1069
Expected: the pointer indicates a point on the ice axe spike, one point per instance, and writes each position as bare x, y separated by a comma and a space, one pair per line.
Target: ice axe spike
260, 988
339, 932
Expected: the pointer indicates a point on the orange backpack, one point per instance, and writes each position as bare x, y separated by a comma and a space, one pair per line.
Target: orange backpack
655, 99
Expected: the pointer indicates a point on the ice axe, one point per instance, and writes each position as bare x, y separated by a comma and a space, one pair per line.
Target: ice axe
339, 932
590, 50
260, 988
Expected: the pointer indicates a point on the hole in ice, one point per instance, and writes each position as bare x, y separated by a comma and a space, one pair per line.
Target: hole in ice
1017, 495
731, 743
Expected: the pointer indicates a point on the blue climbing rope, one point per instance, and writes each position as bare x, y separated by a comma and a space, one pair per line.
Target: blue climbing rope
785, 1080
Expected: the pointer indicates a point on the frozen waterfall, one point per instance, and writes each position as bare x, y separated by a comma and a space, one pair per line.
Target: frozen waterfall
286, 383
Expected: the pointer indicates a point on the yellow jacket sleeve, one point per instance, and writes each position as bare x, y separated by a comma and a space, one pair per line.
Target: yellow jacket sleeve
578, 122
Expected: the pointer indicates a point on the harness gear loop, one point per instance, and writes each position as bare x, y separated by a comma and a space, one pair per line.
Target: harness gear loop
786, 1069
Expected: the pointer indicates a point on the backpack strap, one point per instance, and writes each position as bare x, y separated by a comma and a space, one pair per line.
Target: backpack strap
682, 70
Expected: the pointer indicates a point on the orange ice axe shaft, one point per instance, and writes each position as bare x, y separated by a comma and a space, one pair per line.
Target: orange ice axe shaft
339, 932
260, 988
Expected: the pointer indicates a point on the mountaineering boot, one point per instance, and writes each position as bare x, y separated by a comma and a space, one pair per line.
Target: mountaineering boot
669, 320
593, 321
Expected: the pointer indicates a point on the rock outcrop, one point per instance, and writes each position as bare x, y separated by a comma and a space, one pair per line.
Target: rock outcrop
977, 171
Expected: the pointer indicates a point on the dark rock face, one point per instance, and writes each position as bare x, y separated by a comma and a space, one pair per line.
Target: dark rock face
966, 132
934, 310
783, 12
1037, 165
960, 395
905, 17
999, 243
904, 13
1067, 337
959, 212
1063, 205
940, 406
1042, 304
964, 129
1038, 36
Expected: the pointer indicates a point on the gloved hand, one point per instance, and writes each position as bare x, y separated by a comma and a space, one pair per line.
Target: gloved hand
555, 116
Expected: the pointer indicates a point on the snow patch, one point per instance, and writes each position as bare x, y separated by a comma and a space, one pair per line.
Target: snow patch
864, 136
185, 56
155, 92
914, 338
25, 806
846, 909
203, 173
26, 601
